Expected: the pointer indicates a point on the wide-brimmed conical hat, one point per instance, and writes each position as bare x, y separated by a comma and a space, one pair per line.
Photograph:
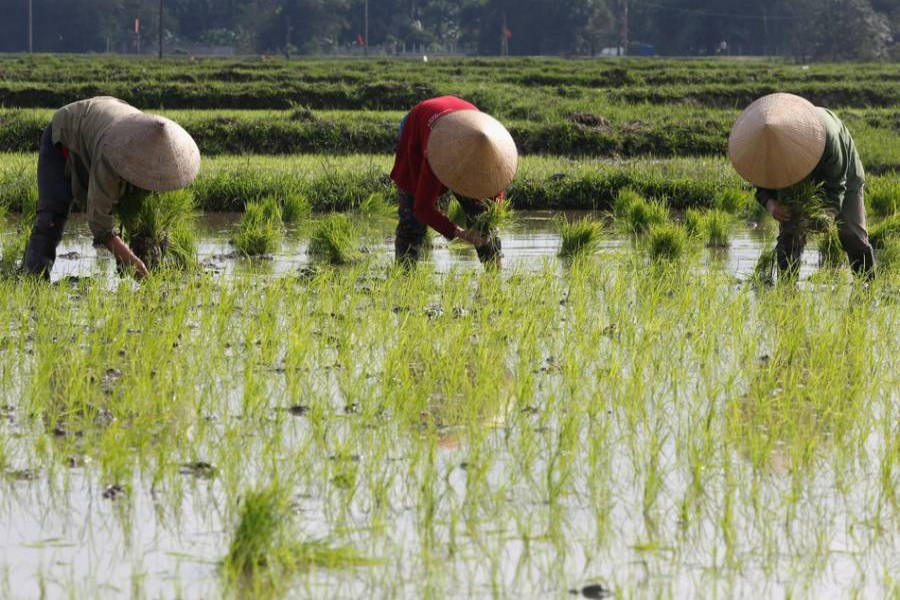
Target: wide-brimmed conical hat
777, 141
472, 154
152, 152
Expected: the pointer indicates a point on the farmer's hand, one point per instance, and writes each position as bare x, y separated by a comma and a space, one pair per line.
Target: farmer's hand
125, 257
778, 212
471, 236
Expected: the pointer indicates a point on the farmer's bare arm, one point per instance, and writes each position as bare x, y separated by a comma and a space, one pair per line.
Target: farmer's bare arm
125, 256
778, 211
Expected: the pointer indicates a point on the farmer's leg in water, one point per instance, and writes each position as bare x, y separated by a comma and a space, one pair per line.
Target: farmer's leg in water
53, 206
789, 248
491, 252
852, 231
410, 237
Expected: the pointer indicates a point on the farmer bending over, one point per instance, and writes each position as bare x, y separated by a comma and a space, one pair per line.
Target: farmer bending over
446, 143
781, 140
104, 152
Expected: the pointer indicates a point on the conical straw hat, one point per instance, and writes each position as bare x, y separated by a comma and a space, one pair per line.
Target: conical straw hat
777, 141
472, 154
152, 152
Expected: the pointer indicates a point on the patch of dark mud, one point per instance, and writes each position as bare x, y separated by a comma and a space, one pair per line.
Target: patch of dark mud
199, 469
113, 492
595, 591
590, 121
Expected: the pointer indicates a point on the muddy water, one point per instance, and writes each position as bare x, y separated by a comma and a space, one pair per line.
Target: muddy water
528, 242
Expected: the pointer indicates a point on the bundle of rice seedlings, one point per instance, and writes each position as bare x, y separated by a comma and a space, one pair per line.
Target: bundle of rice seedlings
376, 205
263, 550
666, 241
807, 204
693, 222
295, 206
334, 240
259, 229
734, 201
642, 215
579, 237
831, 252
496, 215
764, 271
149, 227
623, 201
716, 227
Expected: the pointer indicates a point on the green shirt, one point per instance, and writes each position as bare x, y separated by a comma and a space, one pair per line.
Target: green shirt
839, 169
80, 127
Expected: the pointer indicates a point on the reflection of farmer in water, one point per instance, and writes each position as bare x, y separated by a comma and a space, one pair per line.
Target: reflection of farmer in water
781, 140
445, 143
104, 152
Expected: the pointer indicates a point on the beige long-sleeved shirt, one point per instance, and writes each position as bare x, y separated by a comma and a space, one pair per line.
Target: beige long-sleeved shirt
80, 127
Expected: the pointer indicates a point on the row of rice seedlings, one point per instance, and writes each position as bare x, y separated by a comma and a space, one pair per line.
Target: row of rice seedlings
680, 393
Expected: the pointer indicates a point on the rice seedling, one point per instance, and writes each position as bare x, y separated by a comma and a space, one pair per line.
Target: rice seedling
160, 228
12, 250
294, 207
334, 240
496, 214
376, 206
666, 241
693, 222
580, 237
264, 550
642, 215
624, 200
882, 196
734, 201
455, 213
807, 204
831, 251
764, 270
883, 231
259, 229
716, 226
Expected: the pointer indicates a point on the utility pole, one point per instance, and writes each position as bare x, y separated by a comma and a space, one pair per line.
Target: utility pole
623, 32
30, 29
366, 28
160, 28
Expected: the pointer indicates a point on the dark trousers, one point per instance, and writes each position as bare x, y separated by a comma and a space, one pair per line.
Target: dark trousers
410, 238
851, 224
54, 204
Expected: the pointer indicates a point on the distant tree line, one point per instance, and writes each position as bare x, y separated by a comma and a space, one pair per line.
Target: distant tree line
825, 29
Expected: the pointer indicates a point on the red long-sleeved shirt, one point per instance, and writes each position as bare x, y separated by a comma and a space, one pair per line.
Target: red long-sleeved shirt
411, 171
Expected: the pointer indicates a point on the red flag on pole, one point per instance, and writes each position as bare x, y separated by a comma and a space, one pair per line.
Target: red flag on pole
137, 25
507, 33
360, 40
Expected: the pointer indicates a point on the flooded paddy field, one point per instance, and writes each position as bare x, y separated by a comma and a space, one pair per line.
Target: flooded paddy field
604, 425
